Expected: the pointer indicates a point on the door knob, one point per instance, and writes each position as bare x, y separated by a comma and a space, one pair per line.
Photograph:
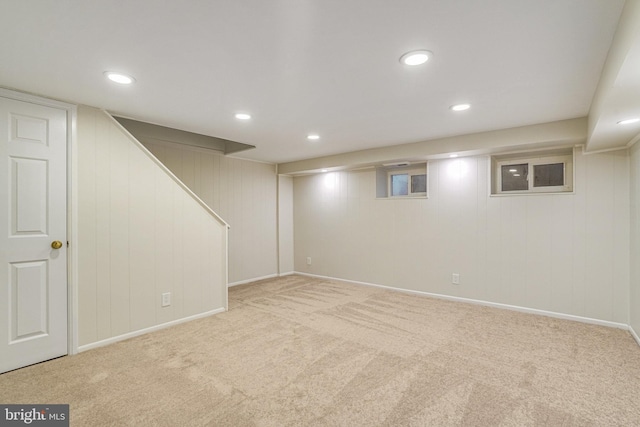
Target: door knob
56, 244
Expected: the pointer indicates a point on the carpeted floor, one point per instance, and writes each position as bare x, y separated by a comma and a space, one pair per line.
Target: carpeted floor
296, 351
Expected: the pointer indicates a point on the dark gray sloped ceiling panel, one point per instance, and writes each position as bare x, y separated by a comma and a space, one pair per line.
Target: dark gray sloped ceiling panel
147, 131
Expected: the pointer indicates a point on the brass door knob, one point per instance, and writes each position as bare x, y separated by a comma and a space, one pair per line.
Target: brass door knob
56, 244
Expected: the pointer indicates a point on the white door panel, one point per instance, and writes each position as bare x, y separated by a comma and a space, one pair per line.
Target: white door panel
28, 309
28, 196
33, 297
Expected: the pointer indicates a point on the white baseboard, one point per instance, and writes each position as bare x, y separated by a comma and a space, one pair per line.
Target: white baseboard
255, 279
147, 330
634, 335
489, 304
288, 273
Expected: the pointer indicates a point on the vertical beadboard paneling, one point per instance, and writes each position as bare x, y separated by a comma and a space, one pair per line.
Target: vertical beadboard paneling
178, 273
481, 226
205, 180
634, 300
248, 204
243, 192
88, 329
600, 237
621, 236
495, 266
563, 253
222, 187
192, 261
173, 159
285, 224
102, 219
513, 247
581, 188
119, 226
142, 292
236, 218
448, 218
140, 234
465, 171
538, 249
164, 260
188, 168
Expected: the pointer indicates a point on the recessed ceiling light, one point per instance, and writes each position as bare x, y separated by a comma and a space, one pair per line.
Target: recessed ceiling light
513, 170
453, 156
313, 137
243, 116
629, 121
460, 107
416, 57
120, 78
516, 174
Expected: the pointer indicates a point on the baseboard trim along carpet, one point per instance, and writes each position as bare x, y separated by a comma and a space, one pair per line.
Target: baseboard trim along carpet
128, 335
553, 314
255, 279
288, 273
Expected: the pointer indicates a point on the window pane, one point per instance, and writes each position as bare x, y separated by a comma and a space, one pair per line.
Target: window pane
548, 175
400, 185
514, 177
419, 183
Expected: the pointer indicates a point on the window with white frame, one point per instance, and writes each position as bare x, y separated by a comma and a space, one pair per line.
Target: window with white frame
401, 181
407, 184
545, 172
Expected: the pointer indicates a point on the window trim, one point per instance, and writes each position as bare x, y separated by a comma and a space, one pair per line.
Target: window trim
383, 180
410, 173
533, 159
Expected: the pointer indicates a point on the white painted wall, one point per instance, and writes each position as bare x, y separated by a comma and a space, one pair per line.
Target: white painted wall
285, 224
243, 192
634, 299
140, 234
561, 253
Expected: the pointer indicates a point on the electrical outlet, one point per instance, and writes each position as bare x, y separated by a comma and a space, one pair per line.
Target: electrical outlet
308, 260
455, 278
166, 299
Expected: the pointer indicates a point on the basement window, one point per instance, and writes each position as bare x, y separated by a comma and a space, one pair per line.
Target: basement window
527, 173
402, 180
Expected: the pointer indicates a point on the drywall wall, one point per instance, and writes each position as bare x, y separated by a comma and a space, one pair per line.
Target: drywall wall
140, 234
561, 253
243, 192
539, 136
634, 300
285, 224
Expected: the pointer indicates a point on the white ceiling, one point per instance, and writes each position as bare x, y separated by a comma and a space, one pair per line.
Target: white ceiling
324, 66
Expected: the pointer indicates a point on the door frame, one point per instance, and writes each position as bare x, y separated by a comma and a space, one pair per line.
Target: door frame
72, 206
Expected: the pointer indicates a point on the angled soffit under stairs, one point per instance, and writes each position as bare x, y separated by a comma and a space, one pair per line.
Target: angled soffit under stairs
147, 131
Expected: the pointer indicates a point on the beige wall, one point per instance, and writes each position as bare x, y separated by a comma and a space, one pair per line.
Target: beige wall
140, 234
635, 239
242, 192
559, 253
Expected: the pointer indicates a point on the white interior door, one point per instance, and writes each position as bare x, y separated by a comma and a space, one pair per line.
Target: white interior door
33, 274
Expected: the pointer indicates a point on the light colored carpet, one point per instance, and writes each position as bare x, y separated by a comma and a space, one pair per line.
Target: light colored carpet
296, 351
